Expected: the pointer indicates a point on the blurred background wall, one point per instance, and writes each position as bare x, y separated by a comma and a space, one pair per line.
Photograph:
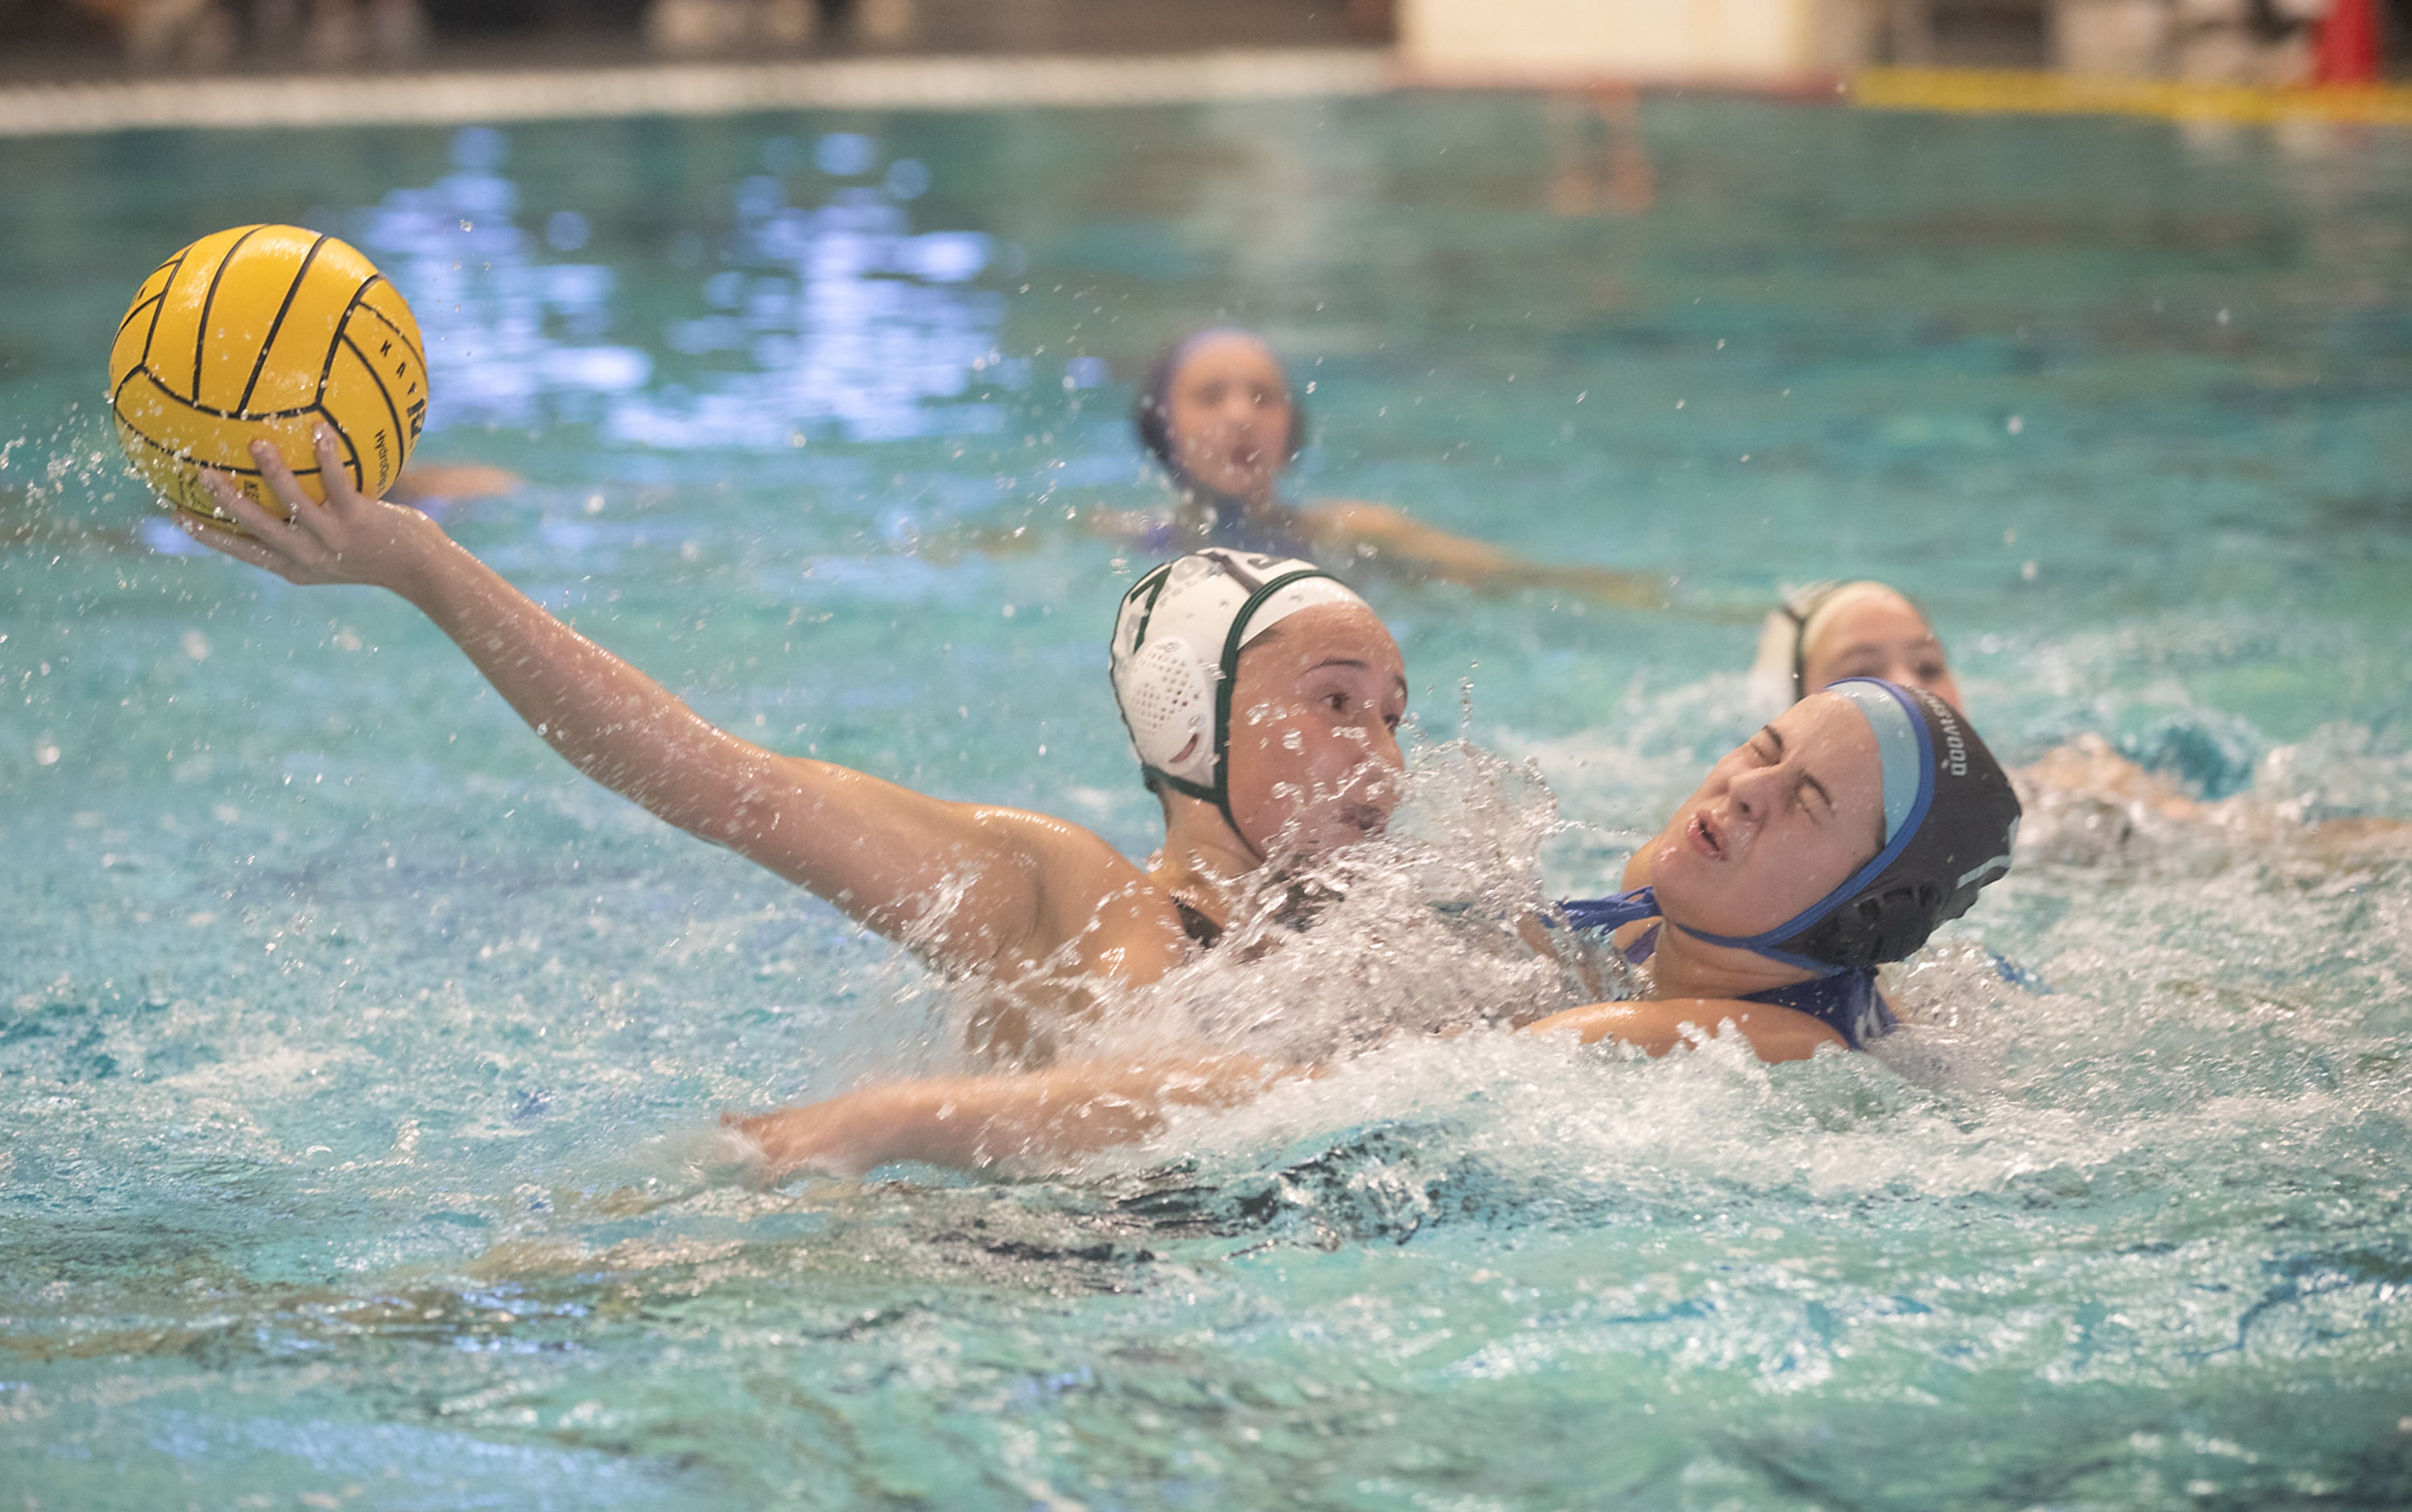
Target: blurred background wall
2235, 42
2260, 41
82, 35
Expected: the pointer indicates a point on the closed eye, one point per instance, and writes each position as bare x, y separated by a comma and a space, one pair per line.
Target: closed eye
1768, 746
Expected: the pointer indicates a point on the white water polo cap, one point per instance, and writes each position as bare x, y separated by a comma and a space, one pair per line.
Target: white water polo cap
1176, 653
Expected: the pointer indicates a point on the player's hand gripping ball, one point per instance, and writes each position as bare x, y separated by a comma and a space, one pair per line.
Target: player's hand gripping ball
265, 331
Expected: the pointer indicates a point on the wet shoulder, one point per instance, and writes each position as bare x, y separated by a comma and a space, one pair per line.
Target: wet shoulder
1088, 891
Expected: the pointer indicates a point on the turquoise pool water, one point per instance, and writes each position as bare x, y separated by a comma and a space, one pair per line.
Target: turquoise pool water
350, 1047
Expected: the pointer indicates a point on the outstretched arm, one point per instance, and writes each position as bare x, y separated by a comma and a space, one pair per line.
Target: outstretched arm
979, 1122
1776, 1032
1013, 885
1381, 532
2088, 768
1032, 1118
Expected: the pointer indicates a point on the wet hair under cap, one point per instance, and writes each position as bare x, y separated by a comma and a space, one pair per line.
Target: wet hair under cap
1150, 416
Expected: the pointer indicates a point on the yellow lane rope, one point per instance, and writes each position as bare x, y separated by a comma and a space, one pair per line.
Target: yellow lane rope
1989, 91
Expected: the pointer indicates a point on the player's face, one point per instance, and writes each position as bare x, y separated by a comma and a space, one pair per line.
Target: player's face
1228, 417
1877, 635
1314, 718
1782, 821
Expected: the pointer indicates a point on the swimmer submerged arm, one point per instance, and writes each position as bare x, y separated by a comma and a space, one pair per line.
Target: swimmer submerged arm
1776, 1032
1382, 531
976, 1122
1123, 526
1013, 882
2090, 767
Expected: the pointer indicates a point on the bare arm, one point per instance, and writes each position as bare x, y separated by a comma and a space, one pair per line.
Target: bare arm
458, 483
2363, 839
979, 1122
1034, 1118
1776, 1032
2088, 767
1021, 883
1383, 533
1124, 527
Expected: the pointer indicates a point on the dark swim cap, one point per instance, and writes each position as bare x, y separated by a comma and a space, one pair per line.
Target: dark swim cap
1950, 819
1151, 416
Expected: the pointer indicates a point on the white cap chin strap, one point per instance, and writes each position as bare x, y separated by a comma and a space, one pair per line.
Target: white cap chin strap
1176, 650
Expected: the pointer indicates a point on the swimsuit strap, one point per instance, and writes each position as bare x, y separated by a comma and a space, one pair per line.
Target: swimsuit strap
1278, 531
1611, 912
1846, 1002
1199, 928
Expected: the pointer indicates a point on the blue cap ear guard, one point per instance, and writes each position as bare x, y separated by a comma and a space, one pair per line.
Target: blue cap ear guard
1950, 819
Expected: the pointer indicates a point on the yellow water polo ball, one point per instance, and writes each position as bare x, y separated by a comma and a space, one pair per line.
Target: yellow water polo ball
266, 330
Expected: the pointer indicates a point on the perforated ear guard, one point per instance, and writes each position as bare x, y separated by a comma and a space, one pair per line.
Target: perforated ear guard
1176, 649
1168, 706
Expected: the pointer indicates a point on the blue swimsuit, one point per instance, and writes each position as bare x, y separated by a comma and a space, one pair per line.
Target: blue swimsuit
1845, 1001
1277, 536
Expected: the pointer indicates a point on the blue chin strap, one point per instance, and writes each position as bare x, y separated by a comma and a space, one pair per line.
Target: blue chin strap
1908, 751
1611, 912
